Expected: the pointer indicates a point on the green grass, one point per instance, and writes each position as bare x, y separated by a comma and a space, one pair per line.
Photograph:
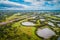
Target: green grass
16, 31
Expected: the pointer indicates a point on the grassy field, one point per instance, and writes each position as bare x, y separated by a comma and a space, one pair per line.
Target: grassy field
12, 28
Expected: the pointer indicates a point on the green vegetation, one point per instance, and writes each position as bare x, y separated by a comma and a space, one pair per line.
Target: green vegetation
11, 27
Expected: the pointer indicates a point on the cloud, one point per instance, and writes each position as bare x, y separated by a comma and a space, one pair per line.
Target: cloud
44, 8
13, 8
35, 5
12, 3
42, 2
35, 2
3, 0
8, 5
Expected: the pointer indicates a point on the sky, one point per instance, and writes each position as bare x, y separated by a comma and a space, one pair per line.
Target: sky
29, 4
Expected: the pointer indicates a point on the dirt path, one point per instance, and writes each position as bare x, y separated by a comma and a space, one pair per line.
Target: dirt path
15, 20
